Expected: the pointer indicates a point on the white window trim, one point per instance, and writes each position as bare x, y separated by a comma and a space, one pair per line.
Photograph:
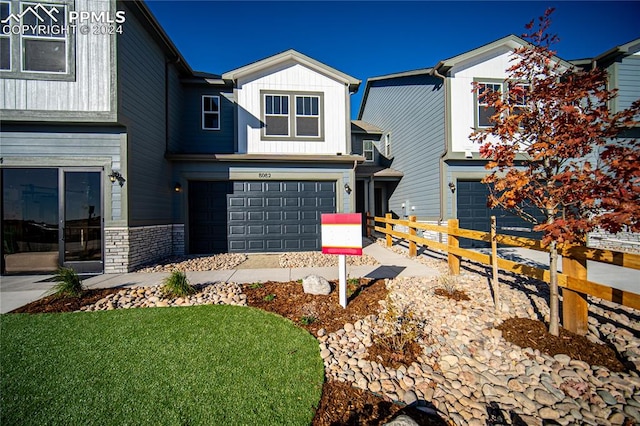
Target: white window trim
365, 151
288, 114
387, 145
307, 115
480, 104
204, 113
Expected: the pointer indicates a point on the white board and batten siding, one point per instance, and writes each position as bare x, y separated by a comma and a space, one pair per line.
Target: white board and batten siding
292, 77
90, 92
491, 66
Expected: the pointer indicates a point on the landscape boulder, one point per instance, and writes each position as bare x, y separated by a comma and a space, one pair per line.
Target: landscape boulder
315, 284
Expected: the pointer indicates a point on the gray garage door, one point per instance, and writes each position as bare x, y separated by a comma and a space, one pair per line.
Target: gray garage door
259, 216
473, 213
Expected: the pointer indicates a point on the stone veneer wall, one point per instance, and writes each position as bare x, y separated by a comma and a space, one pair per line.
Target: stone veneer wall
128, 248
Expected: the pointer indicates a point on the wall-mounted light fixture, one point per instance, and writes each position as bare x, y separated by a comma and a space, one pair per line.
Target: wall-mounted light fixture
452, 186
347, 188
177, 187
115, 176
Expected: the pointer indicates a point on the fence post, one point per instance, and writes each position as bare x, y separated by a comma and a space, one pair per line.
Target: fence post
413, 250
494, 264
367, 229
453, 242
388, 230
575, 309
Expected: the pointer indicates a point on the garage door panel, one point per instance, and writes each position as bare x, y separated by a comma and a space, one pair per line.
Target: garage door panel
274, 245
246, 216
237, 216
291, 215
473, 213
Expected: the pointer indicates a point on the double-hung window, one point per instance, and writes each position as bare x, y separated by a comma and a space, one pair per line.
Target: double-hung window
276, 115
210, 112
484, 112
292, 116
519, 95
367, 150
36, 41
308, 116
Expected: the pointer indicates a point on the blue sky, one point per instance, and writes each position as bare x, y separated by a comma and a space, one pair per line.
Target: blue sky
366, 39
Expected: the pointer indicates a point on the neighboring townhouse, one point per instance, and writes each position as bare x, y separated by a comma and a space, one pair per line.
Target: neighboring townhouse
114, 153
622, 64
429, 114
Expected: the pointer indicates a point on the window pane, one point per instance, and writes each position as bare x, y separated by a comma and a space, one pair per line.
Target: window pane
277, 125
368, 155
276, 104
314, 106
45, 55
484, 116
52, 17
213, 104
307, 105
4, 11
5, 53
268, 104
307, 126
285, 104
30, 219
211, 121
299, 105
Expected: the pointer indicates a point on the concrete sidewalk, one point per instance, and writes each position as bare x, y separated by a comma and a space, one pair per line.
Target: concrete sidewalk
16, 291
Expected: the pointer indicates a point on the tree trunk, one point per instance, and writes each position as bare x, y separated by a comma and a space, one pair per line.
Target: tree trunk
554, 314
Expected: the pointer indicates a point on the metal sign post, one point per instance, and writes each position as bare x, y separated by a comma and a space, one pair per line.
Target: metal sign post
342, 235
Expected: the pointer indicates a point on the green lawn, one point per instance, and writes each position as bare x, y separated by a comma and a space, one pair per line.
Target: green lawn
198, 365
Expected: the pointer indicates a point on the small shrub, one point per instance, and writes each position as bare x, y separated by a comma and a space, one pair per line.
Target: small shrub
448, 283
255, 285
308, 320
68, 283
269, 297
177, 285
353, 281
400, 327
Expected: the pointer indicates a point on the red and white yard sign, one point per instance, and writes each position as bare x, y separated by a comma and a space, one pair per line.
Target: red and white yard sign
342, 235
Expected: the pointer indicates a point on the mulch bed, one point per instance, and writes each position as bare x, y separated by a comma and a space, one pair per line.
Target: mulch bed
50, 304
528, 333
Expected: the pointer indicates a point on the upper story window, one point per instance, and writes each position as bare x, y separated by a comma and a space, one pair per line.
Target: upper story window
307, 116
276, 115
36, 40
519, 95
367, 150
387, 145
484, 112
210, 112
303, 121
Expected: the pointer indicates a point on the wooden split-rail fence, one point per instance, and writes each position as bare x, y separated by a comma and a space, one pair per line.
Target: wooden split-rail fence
572, 280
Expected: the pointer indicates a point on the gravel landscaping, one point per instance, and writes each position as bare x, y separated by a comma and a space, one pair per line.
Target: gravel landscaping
468, 371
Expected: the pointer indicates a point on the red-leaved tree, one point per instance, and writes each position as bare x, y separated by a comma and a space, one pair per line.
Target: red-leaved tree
556, 147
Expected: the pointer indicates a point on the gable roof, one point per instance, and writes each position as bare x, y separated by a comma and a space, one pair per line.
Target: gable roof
293, 55
626, 49
511, 41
